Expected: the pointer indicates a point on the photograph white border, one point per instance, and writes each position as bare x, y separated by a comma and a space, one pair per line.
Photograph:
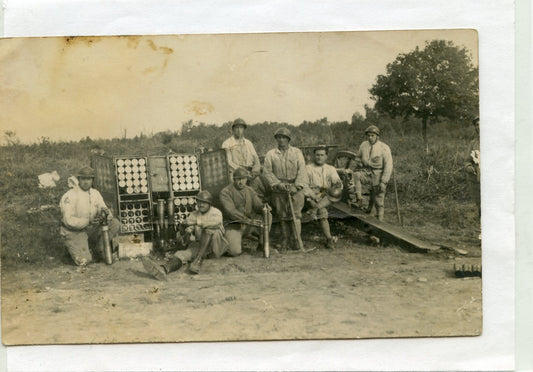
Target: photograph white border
494, 350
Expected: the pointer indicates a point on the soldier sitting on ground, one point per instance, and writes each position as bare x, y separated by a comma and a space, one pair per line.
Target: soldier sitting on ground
83, 211
325, 187
207, 225
243, 208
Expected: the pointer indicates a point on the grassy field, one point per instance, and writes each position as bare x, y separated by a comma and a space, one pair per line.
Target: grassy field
433, 196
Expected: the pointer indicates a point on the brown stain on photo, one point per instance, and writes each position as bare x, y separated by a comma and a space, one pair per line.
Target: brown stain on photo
200, 108
82, 40
132, 41
163, 49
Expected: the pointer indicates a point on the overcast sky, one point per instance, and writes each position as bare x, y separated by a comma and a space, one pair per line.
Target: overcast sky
72, 88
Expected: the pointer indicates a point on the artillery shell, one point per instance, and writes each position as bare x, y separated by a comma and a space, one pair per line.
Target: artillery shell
458, 270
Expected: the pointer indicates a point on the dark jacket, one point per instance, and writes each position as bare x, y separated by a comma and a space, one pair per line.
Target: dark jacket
239, 204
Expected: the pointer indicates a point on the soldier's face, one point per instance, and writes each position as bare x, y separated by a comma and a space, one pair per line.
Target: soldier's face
238, 131
372, 138
203, 207
85, 183
239, 183
320, 157
282, 141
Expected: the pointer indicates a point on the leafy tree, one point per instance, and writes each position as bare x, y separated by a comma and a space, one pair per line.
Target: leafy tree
439, 81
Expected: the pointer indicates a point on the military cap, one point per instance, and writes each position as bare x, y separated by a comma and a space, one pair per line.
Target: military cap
204, 196
372, 129
86, 172
239, 121
283, 132
240, 173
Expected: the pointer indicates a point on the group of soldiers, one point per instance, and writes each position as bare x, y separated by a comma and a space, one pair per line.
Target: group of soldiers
284, 184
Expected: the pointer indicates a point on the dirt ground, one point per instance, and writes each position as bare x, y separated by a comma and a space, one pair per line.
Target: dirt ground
358, 290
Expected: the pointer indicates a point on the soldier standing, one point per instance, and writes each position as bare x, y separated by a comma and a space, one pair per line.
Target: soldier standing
82, 212
284, 169
377, 169
240, 151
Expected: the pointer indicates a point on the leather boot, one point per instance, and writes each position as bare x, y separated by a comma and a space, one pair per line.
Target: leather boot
172, 265
152, 268
194, 267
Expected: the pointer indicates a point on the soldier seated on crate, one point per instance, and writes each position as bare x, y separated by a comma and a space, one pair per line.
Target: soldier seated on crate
243, 209
325, 187
82, 213
207, 225
376, 173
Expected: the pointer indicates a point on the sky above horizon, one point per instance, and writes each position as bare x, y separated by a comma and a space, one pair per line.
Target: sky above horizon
70, 88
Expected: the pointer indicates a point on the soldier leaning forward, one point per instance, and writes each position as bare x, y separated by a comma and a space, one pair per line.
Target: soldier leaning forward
243, 208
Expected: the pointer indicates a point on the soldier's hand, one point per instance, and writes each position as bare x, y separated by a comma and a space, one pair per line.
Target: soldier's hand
382, 187
280, 187
96, 220
292, 189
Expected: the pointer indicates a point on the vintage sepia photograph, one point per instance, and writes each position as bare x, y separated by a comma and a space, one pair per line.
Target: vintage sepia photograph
240, 187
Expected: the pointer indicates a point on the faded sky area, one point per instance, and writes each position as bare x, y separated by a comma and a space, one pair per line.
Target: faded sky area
69, 88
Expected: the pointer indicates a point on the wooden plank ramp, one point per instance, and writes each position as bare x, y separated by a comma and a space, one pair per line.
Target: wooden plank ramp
386, 231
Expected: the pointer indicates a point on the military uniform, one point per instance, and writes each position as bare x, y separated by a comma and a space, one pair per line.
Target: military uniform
321, 179
377, 162
78, 209
286, 167
209, 223
240, 205
241, 152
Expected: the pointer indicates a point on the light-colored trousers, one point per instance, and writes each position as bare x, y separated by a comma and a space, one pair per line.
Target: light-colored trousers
80, 243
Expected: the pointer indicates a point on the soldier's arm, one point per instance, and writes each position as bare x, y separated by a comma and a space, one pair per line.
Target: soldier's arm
68, 213
387, 165
335, 179
226, 146
268, 172
256, 165
301, 177
257, 204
